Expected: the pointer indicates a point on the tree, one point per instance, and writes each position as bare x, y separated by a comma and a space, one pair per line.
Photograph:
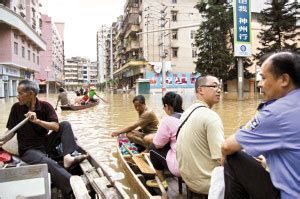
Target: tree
279, 27
214, 41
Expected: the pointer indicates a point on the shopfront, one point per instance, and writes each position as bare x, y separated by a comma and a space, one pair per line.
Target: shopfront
9, 79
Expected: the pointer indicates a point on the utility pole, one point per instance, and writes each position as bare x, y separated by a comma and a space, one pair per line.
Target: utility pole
162, 47
111, 54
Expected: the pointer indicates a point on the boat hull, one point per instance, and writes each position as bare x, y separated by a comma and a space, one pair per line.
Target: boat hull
132, 176
80, 107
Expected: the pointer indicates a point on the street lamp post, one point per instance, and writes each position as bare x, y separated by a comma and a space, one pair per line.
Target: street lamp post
47, 81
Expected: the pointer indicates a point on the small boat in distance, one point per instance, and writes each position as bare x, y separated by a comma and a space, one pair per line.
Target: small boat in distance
79, 107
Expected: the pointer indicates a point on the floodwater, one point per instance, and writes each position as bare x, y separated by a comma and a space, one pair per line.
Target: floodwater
93, 126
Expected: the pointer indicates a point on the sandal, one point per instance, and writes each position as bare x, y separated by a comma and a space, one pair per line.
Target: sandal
153, 183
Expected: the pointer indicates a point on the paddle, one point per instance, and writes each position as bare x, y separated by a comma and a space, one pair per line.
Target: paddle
160, 185
103, 99
140, 162
9, 134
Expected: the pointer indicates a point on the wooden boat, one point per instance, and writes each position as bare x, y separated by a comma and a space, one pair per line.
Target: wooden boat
33, 181
134, 175
79, 107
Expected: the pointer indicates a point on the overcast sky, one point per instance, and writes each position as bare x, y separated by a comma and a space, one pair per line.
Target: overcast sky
82, 19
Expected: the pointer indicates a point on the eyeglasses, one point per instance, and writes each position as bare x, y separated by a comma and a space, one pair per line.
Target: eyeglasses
212, 86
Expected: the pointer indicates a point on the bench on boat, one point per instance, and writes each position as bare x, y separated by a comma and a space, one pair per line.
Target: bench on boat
32, 181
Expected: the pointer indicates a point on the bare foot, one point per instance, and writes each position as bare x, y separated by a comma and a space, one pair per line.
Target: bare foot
70, 160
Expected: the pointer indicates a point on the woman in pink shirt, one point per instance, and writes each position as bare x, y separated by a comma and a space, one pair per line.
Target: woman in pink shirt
163, 149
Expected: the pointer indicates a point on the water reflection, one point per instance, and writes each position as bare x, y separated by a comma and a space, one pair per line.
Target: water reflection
93, 126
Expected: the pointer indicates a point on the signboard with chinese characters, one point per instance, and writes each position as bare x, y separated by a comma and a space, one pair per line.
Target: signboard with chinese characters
10, 71
242, 28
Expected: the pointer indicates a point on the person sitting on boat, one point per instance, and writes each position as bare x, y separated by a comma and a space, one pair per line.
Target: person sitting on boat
85, 99
163, 149
77, 100
147, 122
92, 94
62, 97
274, 132
201, 134
36, 145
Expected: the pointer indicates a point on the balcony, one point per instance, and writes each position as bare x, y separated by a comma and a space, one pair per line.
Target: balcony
133, 45
131, 64
14, 20
132, 29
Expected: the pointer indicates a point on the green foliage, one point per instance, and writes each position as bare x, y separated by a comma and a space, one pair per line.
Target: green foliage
279, 27
214, 41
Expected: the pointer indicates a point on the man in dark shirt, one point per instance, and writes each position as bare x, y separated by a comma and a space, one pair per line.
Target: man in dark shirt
36, 146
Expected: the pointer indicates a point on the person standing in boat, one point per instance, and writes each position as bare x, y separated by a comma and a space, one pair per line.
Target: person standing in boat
147, 122
62, 97
200, 137
36, 145
274, 132
163, 149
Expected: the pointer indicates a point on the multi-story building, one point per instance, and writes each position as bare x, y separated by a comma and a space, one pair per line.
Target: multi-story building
80, 72
141, 47
139, 55
52, 59
20, 43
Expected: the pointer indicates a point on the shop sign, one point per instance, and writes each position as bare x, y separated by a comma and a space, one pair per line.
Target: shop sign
11, 71
242, 28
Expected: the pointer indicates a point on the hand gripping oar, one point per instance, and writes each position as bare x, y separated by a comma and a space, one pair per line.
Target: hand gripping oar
9, 134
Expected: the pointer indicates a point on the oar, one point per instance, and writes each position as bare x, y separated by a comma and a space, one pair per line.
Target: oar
160, 185
103, 100
9, 134
140, 162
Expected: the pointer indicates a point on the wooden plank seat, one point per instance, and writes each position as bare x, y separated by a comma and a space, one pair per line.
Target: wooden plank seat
31, 181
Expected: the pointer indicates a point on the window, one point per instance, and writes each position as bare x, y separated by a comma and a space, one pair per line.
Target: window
28, 53
193, 34
37, 60
15, 36
23, 51
174, 52
16, 48
174, 15
194, 53
173, 1
33, 57
174, 34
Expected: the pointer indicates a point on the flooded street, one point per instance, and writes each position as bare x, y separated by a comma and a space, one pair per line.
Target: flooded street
93, 126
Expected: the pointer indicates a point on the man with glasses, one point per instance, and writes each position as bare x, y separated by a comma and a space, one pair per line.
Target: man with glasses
200, 137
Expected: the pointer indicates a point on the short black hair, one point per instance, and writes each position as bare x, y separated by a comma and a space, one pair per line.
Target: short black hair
30, 86
285, 62
174, 100
201, 80
139, 98
61, 89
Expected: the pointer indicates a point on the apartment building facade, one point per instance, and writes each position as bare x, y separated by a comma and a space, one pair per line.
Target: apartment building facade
50, 75
80, 72
20, 43
139, 55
